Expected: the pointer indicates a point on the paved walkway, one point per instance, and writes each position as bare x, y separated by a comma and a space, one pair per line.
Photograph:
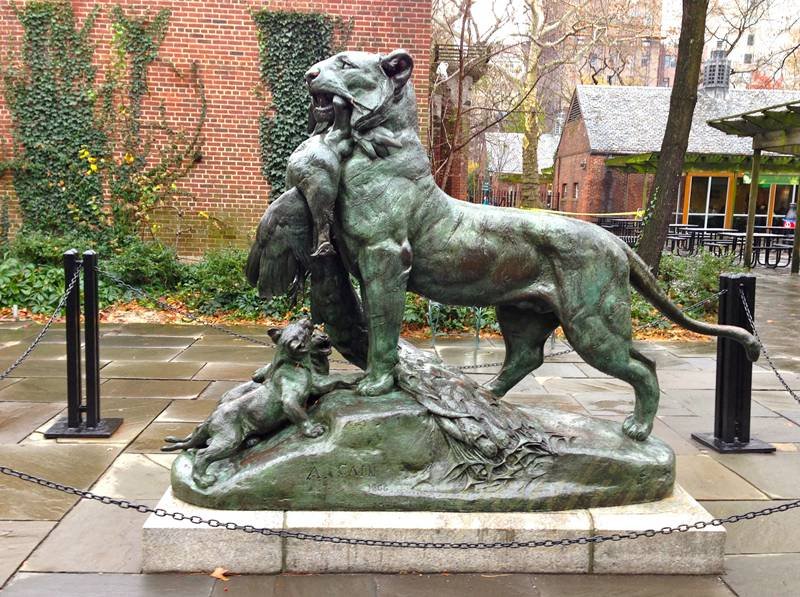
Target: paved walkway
164, 379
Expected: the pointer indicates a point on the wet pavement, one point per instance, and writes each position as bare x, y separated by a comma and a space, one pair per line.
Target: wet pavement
163, 379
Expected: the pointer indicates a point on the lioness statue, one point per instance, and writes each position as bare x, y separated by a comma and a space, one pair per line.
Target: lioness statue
397, 231
280, 399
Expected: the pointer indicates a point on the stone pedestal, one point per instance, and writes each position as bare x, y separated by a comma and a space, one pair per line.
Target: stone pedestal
169, 545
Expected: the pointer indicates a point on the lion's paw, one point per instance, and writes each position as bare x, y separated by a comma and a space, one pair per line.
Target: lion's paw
203, 481
635, 429
376, 386
312, 430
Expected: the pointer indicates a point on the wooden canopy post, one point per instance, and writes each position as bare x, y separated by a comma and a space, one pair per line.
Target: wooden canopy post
751, 208
796, 249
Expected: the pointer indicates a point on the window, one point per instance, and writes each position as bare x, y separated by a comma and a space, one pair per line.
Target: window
751, 39
575, 191
564, 190
669, 61
748, 59
665, 82
645, 60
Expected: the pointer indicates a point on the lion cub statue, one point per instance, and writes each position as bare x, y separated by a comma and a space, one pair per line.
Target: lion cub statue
277, 396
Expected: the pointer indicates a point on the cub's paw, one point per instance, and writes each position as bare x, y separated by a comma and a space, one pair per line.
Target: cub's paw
313, 430
635, 429
376, 386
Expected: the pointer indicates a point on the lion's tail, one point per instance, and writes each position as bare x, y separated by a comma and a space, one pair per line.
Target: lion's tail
644, 281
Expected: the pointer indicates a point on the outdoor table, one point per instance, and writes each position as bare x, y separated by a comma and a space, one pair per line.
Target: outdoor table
699, 237
764, 244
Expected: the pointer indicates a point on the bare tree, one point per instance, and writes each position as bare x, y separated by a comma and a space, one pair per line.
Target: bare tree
764, 36
676, 135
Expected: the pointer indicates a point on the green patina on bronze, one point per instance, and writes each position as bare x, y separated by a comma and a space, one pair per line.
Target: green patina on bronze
414, 434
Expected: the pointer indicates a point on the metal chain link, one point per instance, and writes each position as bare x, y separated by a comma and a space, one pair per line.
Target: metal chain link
764, 348
302, 536
181, 312
46, 327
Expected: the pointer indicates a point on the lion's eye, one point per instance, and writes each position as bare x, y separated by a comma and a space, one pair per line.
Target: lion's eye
347, 64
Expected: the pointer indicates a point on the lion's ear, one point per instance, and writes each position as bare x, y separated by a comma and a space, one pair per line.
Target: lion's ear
398, 66
275, 334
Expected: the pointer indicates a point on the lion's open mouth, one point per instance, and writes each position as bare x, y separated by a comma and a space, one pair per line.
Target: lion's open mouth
323, 103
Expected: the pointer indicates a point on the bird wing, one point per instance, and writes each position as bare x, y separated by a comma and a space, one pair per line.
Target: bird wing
280, 255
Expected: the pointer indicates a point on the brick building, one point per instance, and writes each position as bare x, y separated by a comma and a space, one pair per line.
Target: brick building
609, 149
227, 191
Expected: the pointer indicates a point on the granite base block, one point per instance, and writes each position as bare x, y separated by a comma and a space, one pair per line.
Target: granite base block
180, 546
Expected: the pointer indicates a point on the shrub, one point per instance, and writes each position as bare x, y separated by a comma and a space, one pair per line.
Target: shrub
37, 288
150, 265
217, 283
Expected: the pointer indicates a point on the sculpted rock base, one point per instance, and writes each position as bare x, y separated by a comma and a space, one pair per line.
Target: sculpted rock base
390, 453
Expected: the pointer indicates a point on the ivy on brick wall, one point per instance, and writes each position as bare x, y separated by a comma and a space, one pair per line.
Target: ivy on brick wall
289, 43
148, 156
49, 90
86, 159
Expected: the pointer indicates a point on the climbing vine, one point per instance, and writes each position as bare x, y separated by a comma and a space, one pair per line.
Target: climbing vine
289, 43
90, 158
148, 157
49, 90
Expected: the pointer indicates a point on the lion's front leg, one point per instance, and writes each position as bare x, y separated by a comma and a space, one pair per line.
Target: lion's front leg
384, 270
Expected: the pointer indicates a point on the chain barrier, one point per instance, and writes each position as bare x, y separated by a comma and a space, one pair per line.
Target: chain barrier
46, 328
191, 316
777, 373
302, 536
569, 349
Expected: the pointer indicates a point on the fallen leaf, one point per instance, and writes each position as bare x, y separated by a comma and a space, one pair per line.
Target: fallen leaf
219, 573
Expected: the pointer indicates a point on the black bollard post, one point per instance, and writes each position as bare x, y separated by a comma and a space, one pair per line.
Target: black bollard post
734, 374
74, 425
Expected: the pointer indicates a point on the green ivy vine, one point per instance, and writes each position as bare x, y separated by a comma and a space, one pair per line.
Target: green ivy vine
73, 139
289, 43
50, 93
142, 173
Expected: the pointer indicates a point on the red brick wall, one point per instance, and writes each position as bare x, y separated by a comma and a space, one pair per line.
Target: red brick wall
600, 189
227, 184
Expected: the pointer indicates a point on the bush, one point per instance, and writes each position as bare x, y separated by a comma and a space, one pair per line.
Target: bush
37, 288
686, 281
150, 265
217, 283
38, 248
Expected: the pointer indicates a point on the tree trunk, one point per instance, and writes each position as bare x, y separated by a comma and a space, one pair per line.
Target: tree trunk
529, 189
676, 136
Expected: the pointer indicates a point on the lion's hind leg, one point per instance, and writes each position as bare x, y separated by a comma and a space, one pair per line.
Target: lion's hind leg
220, 446
606, 345
524, 333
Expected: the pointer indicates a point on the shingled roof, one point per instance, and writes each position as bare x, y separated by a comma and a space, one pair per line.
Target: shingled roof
631, 120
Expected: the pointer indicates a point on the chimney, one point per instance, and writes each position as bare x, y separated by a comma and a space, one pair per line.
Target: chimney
717, 73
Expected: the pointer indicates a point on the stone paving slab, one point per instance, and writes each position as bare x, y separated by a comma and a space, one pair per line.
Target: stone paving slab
778, 533
135, 477
151, 388
150, 370
777, 475
775, 575
631, 586
257, 355
456, 585
136, 415
92, 537
706, 479
45, 368
18, 538
560, 401
124, 353
226, 371
216, 389
41, 389
43, 351
19, 419
70, 464
152, 438
187, 411
28, 584
136, 341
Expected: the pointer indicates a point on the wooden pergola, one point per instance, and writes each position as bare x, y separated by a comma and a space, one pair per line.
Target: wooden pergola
774, 129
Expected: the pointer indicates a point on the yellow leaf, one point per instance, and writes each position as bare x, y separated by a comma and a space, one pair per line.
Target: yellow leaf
203, 214
128, 158
219, 573
93, 167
